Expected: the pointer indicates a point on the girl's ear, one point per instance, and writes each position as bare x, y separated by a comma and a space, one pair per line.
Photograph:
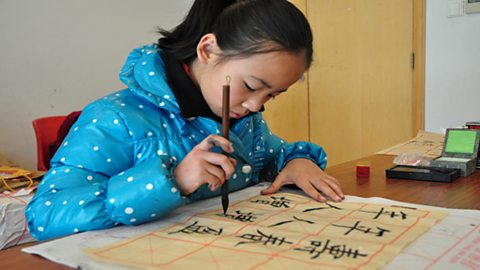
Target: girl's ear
207, 49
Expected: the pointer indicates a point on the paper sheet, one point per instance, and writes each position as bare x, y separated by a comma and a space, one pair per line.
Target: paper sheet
450, 244
13, 227
425, 143
283, 230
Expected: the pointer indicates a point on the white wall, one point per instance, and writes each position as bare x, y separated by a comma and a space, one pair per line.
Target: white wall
452, 79
56, 56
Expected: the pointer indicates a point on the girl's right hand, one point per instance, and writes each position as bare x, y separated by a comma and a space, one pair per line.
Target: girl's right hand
201, 166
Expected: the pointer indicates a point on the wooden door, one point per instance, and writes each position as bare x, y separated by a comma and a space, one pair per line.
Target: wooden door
357, 97
360, 85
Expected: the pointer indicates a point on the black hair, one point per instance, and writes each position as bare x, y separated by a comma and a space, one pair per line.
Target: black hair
242, 28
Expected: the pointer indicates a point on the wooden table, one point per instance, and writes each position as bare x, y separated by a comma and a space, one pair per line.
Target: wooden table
463, 193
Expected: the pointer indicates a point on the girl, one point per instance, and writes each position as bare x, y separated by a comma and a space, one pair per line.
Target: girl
135, 155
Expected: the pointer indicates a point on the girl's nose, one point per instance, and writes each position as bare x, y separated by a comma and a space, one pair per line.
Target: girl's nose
253, 104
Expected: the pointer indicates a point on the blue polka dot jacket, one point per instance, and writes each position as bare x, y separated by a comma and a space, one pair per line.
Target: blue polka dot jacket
116, 164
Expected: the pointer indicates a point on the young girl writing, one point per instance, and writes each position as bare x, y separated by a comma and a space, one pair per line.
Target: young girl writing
137, 154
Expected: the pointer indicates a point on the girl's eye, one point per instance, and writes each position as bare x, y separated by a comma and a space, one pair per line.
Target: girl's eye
248, 87
272, 96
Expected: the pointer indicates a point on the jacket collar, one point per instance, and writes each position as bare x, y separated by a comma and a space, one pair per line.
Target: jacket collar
189, 97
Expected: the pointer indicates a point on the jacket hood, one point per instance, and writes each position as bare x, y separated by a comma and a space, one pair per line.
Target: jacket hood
144, 74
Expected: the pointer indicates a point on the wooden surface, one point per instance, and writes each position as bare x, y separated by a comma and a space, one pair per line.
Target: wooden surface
360, 85
361, 81
463, 193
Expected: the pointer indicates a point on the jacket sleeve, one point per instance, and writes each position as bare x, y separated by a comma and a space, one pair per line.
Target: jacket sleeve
95, 183
279, 152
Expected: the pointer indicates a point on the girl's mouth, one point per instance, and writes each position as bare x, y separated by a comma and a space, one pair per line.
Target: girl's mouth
236, 115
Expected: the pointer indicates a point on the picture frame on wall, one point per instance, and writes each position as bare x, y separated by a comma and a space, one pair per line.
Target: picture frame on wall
472, 6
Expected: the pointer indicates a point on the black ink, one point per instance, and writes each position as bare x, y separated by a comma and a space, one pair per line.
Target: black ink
382, 211
198, 229
242, 217
278, 202
406, 207
321, 208
263, 239
337, 251
294, 218
363, 229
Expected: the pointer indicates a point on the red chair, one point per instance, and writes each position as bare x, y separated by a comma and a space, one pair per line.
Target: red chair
50, 132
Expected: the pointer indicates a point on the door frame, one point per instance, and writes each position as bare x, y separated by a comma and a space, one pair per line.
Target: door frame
418, 79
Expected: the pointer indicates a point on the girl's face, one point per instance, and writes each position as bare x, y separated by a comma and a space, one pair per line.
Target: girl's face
254, 80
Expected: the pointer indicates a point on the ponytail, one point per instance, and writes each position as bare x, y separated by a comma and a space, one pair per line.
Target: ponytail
182, 41
242, 28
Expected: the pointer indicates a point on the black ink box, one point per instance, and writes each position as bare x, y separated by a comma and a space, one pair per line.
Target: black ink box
434, 174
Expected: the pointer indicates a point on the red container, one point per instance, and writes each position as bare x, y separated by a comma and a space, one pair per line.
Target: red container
363, 169
473, 125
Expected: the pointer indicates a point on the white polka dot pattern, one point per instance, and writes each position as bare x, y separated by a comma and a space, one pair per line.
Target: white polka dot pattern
117, 162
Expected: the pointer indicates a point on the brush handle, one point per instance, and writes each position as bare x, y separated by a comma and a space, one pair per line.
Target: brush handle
225, 134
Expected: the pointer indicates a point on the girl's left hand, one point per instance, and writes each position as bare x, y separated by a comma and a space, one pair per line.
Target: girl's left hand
310, 178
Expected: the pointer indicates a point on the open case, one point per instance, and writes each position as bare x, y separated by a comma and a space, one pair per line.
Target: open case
459, 151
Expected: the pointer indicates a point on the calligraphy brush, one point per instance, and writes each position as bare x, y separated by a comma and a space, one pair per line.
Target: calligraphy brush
225, 129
